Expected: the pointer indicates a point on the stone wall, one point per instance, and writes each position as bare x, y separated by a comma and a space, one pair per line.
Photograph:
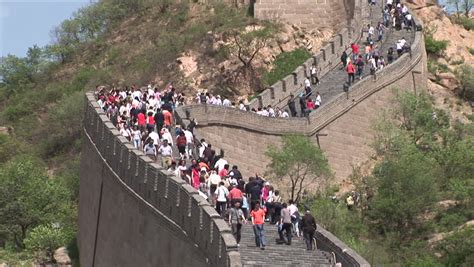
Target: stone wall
132, 213
346, 120
325, 60
307, 13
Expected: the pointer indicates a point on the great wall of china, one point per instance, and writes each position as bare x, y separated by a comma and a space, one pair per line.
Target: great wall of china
133, 213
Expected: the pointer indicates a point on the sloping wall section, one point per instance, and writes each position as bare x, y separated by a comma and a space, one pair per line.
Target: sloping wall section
346, 121
132, 213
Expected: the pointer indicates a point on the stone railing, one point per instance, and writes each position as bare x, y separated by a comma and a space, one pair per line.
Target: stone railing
161, 191
325, 60
215, 115
328, 242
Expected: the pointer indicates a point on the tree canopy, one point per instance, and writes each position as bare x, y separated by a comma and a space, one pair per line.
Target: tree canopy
298, 163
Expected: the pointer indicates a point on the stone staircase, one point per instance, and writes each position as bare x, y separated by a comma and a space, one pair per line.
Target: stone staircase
279, 255
331, 85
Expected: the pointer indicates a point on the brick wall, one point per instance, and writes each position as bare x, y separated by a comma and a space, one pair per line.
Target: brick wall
307, 13
325, 60
346, 120
132, 213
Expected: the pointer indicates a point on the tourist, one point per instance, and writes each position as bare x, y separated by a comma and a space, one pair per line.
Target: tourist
360, 67
308, 226
166, 153
236, 219
350, 73
344, 59
258, 220
295, 216
285, 225
317, 101
314, 77
221, 194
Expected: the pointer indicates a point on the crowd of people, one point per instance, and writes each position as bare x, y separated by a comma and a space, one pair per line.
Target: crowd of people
145, 116
396, 16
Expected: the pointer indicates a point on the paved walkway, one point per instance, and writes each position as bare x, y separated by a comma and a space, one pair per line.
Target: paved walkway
331, 84
279, 255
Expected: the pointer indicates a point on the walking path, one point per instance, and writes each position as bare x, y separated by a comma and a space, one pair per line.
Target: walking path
332, 84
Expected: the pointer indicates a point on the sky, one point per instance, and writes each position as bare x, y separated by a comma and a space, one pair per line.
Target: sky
24, 23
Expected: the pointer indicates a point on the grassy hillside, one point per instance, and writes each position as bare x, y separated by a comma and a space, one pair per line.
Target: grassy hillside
420, 191
112, 42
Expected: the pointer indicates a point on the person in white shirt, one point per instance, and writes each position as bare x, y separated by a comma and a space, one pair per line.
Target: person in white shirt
137, 94
226, 103
371, 31
307, 83
400, 44
220, 163
318, 100
166, 135
293, 209
166, 153
265, 112
202, 148
242, 106
285, 114
314, 76
189, 142
155, 137
221, 198
218, 100
271, 111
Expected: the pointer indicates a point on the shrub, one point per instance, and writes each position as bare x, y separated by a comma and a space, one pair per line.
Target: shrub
43, 240
471, 50
467, 23
284, 64
433, 46
465, 75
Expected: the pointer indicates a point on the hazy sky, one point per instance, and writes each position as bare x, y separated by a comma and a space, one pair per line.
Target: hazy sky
24, 23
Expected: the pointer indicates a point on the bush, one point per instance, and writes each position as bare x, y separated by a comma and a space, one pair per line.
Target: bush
467, 23
433, 46
284, 64
465, 75
471, 50
43, 240
458, 248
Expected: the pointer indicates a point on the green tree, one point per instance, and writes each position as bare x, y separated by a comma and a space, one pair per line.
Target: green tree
406, 187
458, 248
27, 198
43, 241
465, 75
299, 163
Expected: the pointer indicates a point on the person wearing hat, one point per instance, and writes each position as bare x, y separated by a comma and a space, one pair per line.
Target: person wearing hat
308, 225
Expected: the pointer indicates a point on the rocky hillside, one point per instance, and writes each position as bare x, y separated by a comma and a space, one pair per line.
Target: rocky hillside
445, 82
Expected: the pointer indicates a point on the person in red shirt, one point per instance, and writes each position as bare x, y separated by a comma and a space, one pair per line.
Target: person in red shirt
168, 118
310, 104
150, 122
258, 220
350, 72
181, 144
224, 172
141, 119
355, 51
235, 195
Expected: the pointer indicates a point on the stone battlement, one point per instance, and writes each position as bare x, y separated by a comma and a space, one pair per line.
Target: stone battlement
307, 13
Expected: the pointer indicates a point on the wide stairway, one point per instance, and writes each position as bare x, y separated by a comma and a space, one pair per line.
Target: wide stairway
332, 84
276, 254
